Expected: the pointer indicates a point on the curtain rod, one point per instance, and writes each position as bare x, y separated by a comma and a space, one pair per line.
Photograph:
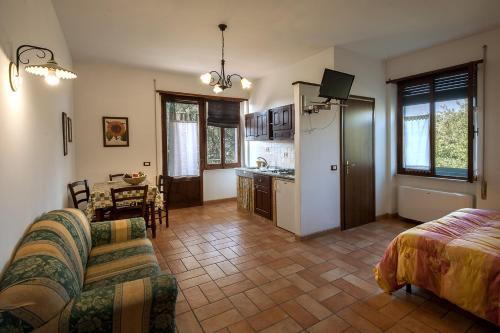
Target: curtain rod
210, 97
416, 76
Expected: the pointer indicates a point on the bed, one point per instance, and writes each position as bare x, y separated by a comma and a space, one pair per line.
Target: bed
457, 257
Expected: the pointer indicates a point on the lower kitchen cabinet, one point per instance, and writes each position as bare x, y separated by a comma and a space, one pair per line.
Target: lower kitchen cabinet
263, 196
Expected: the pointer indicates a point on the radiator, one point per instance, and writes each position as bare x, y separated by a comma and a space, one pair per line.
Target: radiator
426, 205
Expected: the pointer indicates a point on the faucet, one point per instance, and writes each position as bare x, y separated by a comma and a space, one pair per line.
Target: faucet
262, 159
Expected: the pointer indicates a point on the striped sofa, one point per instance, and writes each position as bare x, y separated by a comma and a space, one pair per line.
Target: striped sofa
69, 275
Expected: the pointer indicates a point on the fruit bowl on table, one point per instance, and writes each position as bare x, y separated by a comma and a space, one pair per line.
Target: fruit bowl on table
134, 180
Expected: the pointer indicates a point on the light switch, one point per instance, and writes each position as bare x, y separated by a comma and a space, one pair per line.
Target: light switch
146, 163
333, 167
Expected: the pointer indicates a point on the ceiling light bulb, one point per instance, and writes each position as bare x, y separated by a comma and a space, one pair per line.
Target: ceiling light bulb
217, 89
51, 78
206, 78
245, 83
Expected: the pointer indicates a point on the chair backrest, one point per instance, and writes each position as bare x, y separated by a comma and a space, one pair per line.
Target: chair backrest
75, 192
112, 176
131, 194
47, 269
164, 185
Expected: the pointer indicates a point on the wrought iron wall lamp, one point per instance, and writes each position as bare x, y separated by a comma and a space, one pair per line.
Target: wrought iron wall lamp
50, 70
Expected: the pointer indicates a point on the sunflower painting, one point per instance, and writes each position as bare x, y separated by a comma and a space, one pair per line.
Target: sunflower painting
115, 131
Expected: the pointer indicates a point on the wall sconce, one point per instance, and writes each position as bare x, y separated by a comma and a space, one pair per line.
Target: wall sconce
50, 70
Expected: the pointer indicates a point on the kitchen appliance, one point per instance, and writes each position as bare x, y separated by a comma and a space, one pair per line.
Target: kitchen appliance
285, 204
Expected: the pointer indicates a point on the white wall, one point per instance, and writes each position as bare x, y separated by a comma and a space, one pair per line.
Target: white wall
441, 56
317, 188
370, 82
33, 171
114, 90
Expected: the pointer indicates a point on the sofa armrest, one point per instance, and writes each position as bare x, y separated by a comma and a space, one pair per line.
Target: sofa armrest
144, 305
117, 231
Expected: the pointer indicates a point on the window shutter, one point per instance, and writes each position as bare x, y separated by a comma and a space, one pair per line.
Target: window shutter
223, 114
451, 86
416, 94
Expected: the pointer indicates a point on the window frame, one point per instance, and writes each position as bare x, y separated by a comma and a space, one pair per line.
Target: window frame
470, 68
223, 164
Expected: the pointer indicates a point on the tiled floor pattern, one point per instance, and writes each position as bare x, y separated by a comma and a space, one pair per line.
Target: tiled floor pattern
238, 273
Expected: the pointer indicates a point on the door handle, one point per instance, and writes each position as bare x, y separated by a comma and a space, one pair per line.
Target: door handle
348, 166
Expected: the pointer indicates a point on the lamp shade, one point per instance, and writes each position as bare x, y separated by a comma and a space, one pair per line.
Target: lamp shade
50, 68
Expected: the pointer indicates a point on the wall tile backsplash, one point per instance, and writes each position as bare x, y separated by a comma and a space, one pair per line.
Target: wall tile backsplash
277, 154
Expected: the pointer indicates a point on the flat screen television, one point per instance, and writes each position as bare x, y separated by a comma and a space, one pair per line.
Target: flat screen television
335, 85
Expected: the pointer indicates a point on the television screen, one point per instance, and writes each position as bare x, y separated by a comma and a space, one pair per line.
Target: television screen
336, 85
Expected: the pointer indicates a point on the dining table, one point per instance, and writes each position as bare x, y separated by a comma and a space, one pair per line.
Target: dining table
100, 200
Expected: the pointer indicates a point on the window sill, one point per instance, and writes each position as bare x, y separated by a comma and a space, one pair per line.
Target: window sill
457, 180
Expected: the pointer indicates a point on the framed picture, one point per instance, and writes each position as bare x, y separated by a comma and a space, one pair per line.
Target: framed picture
70, 130
65, 133
115, 132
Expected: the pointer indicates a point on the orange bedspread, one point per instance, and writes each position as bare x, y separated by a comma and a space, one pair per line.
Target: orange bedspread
457, 257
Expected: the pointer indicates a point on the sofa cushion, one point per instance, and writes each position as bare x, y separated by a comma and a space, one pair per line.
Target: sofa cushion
47, 269
117, 231
120, 262
139, 306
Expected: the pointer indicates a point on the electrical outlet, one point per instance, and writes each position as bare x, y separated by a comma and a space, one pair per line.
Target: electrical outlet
268, 149
285, 154
146, 163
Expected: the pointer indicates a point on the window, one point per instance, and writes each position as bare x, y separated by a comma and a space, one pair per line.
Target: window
435, 124
222, 134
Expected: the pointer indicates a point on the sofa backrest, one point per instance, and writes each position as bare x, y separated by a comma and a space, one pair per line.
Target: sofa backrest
47, 269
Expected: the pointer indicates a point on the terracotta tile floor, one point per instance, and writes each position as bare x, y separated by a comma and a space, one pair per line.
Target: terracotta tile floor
238, 273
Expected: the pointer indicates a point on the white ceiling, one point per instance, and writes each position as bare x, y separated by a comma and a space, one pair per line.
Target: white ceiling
182, 35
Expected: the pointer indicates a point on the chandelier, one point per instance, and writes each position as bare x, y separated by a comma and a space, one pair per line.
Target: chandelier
220, 81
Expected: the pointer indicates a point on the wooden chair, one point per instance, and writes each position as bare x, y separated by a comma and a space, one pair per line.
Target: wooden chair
76, 192
122, 209
164, 185
116, 175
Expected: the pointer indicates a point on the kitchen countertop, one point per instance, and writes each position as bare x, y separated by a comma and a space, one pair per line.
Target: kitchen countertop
246, 172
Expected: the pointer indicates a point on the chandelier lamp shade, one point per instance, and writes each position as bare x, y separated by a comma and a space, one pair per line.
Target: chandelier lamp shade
219, 80
50, 70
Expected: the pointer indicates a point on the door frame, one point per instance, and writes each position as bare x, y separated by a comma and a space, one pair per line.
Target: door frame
342, 158
202, 138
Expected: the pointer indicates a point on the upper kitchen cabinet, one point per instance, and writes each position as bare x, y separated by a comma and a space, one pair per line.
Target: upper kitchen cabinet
257, 126
276, 123
250, 126
283, 126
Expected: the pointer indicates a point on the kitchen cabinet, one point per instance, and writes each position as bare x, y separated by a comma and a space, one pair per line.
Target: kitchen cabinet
283, 126
263, 195
257, 126
273, 124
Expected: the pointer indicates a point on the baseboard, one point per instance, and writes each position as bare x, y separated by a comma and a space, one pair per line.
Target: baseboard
218, 201
386, 216
317, 234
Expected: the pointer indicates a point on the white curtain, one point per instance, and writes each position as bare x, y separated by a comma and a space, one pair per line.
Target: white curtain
416, 140
184, 153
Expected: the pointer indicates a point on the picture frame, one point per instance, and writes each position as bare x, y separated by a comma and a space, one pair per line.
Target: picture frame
70, 130
65, 133
115, 132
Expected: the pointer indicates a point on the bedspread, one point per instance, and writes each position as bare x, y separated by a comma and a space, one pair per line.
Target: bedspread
457, 257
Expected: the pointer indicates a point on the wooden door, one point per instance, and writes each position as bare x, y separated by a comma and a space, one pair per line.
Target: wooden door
277, 118
249, 129
358, 170
262, 125
183, 121
286, 117
263, 196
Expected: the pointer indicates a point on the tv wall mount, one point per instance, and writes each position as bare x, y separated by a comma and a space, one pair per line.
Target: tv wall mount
317, 106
